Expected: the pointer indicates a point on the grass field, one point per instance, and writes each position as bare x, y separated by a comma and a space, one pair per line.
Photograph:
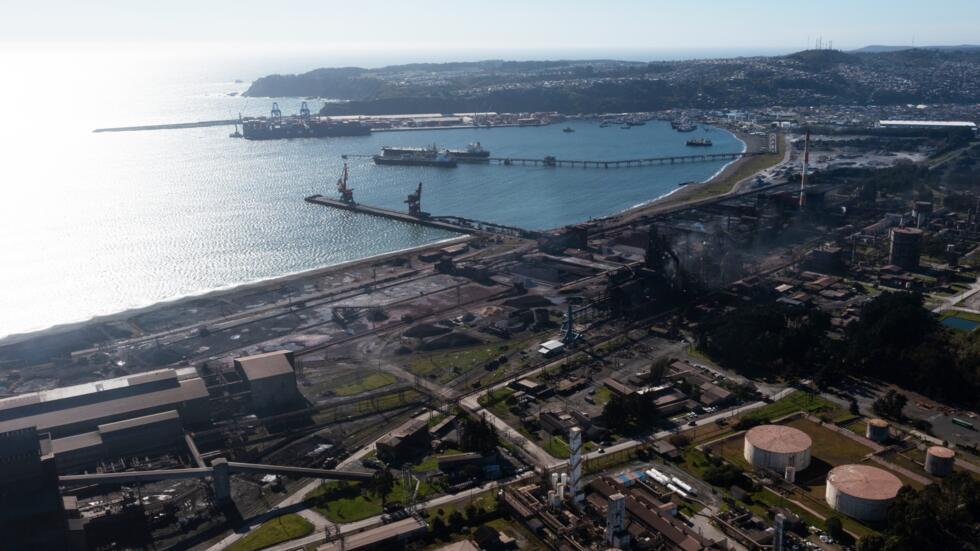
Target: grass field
557, 447
346, 502
366, 383
389, 401
280, 529
431, 462
496, 401
797, 401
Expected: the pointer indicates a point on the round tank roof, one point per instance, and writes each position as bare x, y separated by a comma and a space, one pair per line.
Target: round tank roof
778, 439
880, 423
864, 481
940, 451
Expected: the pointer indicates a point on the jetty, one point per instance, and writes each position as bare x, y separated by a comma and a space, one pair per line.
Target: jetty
171, 126
455, 224
620, 163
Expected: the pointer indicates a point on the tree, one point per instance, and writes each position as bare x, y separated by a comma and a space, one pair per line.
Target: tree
478, 436
658, 370
456, 521
872, 542
630, 413
835, 528
723, 475
890, 405
439, 529
381, 484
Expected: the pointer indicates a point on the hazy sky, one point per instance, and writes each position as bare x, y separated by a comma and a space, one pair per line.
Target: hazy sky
496, 24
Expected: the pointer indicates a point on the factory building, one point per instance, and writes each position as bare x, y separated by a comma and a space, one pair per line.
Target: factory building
861, 491
272, 381
905, 247
32, 511
777, 447
930, 125
148, 435
940, 461
405, 441
72, 410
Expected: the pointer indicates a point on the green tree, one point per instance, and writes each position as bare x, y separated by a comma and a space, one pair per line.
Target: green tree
890, 405
381, 484
835, 528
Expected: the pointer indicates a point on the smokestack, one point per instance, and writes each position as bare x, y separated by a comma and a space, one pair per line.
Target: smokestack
806, 164
575, 466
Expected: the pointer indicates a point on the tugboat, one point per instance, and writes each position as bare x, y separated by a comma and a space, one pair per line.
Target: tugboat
568, 130
699, 142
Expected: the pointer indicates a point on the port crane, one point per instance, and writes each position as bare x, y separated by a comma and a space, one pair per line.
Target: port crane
414, 201
275, 118
346, 193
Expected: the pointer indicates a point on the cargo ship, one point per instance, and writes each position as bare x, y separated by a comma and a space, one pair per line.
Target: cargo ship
474, 152
415, 157
304, 125
699, 142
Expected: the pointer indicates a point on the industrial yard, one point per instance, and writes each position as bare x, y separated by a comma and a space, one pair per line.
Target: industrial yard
525, 389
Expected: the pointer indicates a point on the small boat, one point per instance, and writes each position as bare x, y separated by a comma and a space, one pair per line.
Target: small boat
568, 129
604, 124
699, 142
687, 183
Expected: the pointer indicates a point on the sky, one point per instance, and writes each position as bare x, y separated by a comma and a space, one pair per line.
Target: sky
495, 25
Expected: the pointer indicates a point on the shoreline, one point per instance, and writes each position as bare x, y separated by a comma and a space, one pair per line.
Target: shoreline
673, 198
233, 288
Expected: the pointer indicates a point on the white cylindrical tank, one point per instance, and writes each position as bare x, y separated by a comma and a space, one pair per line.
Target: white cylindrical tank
940, 461
777, 447
877, 430
861, 491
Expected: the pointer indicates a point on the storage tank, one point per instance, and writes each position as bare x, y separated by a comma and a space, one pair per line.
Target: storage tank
777, 447
940, 460
877, 430
861, 491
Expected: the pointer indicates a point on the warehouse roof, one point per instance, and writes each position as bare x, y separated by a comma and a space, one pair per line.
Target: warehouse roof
936, 124
64, 392
270, 364
189, 389
161, 417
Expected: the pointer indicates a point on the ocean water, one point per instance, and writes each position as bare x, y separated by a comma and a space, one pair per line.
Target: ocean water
93, 224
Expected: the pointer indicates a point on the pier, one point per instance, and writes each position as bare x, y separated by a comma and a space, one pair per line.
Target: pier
455, 224
620, 163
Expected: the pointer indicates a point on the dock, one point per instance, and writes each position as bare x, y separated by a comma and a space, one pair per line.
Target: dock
455, 224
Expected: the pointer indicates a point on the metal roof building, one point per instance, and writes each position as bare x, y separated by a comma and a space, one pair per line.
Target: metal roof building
71, 410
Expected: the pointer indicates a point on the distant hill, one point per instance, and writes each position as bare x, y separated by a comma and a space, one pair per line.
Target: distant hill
813, 77
878, 48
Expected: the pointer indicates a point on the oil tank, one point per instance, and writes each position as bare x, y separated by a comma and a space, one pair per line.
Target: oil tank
877, 430
940, 460
777, 447
861, 491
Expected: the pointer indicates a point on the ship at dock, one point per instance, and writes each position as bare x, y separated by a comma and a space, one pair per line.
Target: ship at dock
699, 142
415, 156
304, 125
432, 155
